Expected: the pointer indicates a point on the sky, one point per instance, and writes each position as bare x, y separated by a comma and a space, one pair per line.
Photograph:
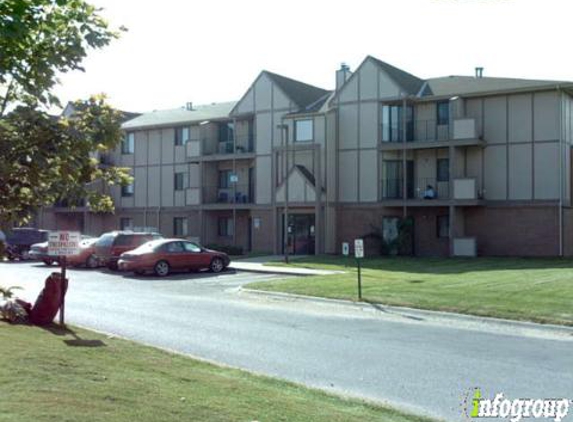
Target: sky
205, 51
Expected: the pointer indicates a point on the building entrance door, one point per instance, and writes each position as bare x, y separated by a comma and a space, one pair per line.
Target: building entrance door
301, 234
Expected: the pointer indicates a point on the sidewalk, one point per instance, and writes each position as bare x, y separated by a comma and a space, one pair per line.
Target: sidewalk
256, 265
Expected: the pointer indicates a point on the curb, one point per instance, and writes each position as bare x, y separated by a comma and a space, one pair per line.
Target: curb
273, 270
421, 314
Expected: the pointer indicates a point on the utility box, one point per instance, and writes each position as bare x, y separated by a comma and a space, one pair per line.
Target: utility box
465, 246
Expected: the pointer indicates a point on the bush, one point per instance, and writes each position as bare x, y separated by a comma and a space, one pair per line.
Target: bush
228, 249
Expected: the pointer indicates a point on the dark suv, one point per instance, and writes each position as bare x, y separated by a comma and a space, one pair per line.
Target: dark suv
111, 245
19, 241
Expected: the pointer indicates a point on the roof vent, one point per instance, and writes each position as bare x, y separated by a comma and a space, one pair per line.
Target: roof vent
479, 72
189, 106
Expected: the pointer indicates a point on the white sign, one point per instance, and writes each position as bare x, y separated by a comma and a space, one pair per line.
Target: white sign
233, 178
64, 243
345, 249
359, 248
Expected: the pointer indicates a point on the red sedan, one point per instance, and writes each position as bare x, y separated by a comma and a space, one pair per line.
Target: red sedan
166, 255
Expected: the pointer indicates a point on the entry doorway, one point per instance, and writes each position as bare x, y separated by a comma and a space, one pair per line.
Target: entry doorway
301, 234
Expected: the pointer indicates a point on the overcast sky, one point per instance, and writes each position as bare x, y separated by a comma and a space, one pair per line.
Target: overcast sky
211, 50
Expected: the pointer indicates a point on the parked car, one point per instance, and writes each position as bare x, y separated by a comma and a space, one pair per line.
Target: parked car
166, 255
111, 245
19, 241
86, 257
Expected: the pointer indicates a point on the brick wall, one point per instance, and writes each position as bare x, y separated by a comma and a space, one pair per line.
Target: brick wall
514, 231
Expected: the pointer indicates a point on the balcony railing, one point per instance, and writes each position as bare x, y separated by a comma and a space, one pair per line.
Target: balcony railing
430, 131
416, 131
234, 194
212, 146
424, 188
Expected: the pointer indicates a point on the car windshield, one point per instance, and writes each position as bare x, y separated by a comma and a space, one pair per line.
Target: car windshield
105, 240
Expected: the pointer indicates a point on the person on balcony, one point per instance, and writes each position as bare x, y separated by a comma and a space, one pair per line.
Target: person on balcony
429, 193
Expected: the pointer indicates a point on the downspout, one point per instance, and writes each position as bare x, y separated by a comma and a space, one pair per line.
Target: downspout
561, 169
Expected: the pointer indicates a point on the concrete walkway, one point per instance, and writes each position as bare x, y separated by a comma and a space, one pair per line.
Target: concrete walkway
257, 265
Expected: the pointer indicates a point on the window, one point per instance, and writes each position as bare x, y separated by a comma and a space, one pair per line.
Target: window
191, 247
392, 123
174, 247
443, 223
224, 178
180, 226
125, 223
179, 181
127, 190
128, 144
443, 112
226, 131
443, 170
303, 130
181, 135
225, 227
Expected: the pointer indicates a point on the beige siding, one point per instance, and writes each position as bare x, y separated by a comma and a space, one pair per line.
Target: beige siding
167, 145
368, 81
348, 176
546, 123
368, 176
140, 174
264, 133
166, 186
474, 109
154, 146
520, 172
140, 148
520, 109
368, 125
263, 180
247, 104
495, 120
387, 86
495, 172
348, 126
263, 93
546, 169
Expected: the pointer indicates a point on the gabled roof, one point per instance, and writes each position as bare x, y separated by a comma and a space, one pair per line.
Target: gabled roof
460, 85
180, 116
303, 95
409, 83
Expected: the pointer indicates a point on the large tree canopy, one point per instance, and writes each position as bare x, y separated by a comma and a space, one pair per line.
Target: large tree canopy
42, 158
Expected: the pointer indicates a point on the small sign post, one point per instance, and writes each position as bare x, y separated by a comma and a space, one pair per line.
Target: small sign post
345, 252
359, 254
63, 244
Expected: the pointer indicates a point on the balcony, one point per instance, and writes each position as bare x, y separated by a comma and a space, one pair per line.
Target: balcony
211, 149
235, 194
431, 192
430, 134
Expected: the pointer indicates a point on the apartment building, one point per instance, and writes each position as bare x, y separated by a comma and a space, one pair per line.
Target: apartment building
455, 165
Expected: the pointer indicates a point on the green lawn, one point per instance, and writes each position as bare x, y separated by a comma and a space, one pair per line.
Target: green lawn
54, 375
539, 290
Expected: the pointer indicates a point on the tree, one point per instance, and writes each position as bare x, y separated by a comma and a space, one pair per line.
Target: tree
45, 159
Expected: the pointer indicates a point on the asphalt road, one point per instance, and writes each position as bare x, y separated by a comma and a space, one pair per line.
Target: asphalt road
421, 367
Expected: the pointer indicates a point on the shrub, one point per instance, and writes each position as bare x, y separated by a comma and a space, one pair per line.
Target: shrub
228, 249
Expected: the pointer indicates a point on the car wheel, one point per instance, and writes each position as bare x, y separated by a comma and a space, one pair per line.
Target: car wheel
217, 265
161, 268
48, 262
25, 255
91, 262
112, 266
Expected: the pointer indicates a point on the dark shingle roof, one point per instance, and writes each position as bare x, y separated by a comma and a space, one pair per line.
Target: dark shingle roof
410, 83
299, 92
459, 85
